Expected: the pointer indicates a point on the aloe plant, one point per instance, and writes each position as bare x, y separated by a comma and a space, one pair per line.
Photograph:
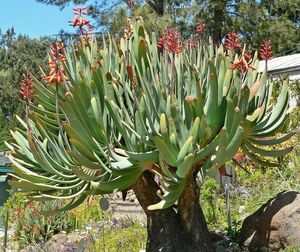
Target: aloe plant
154, 116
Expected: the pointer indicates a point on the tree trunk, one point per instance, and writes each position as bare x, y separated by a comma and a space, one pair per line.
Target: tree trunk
219, 15
181, 228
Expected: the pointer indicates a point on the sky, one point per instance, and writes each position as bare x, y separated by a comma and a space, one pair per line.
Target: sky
34, 19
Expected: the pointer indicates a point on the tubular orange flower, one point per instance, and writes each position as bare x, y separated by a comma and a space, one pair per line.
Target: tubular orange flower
82, 23
80, 11
266, 50
127, 29
232, 41
35, 229
79, 21
243, 64
27, 91
170, 40
57, 57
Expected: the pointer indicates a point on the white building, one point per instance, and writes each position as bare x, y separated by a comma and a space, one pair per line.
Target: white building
289, 64
285, 65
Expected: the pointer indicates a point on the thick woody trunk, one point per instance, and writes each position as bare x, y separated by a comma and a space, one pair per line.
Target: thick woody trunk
174, 229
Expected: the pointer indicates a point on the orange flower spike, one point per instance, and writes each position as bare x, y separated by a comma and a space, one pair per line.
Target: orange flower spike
79, 21
80, 11
243, 64
56, 58
127, 32
75, 21
232, 41
35, 229
266, 50
170, 40
161, 41
27, 91
236, 64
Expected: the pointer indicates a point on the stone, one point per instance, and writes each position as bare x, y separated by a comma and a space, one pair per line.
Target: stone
275, 225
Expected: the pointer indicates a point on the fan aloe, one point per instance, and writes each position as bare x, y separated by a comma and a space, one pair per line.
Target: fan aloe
130, 115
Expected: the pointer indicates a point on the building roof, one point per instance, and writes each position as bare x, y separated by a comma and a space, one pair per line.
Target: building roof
284, 64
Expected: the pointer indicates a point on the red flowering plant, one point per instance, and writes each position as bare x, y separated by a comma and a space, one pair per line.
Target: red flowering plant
243, 63
241, 60
79, 21
84, 26
265, 52
31, 226
127, 31
27, 91
152, 120
171, 41
232, 42
56, 58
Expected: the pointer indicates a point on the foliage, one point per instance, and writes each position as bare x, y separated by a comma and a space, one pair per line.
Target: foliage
292, 249
16, 199
212, 201
109, 234
29, 223
129, 107
255, 20
248, 193
87, 213
18, 54
132, 238
4, 133
295, 92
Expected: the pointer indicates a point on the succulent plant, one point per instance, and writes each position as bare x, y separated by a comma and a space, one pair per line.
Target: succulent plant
128, 107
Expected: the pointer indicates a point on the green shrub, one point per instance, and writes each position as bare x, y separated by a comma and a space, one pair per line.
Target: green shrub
248, 193
292, 249
120, 239
31, 226
87, 213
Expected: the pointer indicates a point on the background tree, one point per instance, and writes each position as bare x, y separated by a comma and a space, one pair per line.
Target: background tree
17, 55
157, 120
255, 20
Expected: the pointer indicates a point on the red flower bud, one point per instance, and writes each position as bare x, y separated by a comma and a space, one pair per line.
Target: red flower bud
82, 23
80, 11
265, 51
27, 91
128, 30
232, 41
56, 59
35, 229
170, 40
